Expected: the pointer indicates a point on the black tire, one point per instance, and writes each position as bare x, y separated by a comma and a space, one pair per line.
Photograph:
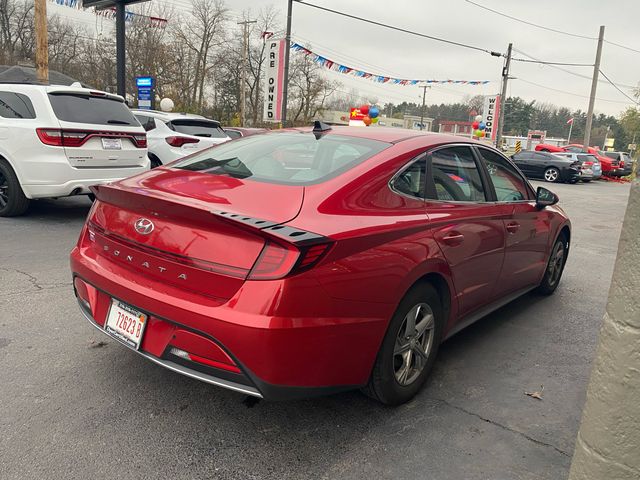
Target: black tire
586, 181
13, 201
155, 161
553, 271
384, 386
552, 174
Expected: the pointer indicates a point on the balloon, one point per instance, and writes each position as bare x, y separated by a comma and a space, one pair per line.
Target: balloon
482, 126
374, 120
478, 133
166, 104
364, 109
478, 118
374, 112
475, 125
367, 120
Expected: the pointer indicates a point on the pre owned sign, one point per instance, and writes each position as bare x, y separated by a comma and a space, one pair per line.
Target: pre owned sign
274, 81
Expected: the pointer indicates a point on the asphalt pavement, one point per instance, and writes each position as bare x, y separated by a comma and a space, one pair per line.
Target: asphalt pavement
75, 404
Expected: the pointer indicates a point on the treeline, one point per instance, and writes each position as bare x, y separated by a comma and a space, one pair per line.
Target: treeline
521, 116
196, 58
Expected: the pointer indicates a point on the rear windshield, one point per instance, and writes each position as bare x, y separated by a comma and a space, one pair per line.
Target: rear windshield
285, 158
71, 107
198, 128
588, 158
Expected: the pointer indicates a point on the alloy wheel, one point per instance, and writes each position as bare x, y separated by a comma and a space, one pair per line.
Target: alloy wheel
4, 190
554, 270
551, 175
413, 344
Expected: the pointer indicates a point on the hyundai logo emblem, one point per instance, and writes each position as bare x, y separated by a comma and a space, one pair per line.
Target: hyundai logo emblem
144, 226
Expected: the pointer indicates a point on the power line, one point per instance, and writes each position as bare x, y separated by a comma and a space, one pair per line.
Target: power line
561, 32
391, 27
569, 93
617, 88
484, 7
542, 62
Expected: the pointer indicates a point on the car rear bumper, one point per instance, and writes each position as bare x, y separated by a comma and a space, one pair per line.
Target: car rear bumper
79, 186
274, 357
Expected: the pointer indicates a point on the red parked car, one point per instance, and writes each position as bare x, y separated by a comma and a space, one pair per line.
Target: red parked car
252, 270
610, 166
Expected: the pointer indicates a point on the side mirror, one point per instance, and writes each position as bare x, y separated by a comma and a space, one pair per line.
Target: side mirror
545, 198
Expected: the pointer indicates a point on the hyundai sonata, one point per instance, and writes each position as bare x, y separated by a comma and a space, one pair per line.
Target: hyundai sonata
312, 261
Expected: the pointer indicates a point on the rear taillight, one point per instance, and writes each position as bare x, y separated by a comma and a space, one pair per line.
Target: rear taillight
279, 260
140, 140
76, 138
180, 141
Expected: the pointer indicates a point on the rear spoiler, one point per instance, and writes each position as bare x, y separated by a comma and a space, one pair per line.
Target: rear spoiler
85, 92
153, 202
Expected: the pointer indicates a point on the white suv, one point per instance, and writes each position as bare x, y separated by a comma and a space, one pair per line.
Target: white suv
57, 141
175, 135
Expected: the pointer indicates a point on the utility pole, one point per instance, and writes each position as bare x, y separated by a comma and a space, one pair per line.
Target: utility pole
42, 41
503, 95
243, 80
424, 97
121, 77
606, 134
594, 84
287, 48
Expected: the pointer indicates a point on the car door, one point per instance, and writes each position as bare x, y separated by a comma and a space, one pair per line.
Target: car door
523, 161
527, 227
468, 229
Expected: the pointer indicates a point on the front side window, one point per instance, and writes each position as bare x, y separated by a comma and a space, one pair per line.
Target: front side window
508, 183
286, 158
455, 176
16, 105
411, 181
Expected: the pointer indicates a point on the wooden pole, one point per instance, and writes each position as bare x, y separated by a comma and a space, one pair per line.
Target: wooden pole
42, 41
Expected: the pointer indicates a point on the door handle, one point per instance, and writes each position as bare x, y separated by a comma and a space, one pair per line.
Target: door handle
453, 239
513, 227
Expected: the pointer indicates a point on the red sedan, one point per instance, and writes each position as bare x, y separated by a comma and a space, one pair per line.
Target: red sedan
341, 267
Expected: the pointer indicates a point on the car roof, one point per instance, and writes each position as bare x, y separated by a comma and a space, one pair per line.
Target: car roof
60, 88
390, 134
167, 115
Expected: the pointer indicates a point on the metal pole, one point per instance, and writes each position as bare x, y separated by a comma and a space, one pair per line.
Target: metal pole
243, 80
503, 95
287, 48
42, 41
594, 84
121, 77
424, 96
570, 128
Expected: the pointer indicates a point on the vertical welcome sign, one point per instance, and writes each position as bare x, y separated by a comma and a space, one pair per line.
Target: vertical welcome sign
491, 114
274, 81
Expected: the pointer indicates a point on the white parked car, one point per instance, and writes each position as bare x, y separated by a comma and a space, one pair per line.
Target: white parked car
175, 135
57, 141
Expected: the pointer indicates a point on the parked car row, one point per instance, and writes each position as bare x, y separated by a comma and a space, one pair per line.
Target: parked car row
566, 167
57, 141
614, 164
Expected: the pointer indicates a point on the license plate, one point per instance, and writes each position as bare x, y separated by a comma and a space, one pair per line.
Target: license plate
112, 143
125, 323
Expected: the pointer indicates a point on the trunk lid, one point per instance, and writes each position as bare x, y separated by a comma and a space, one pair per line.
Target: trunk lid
189, 245
97, 130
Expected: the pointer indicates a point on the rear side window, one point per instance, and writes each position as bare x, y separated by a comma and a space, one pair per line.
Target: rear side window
148, 123
285, 158
16, 105
587, 158
411, 181
198, 128
455, 176
71, 107
233, 133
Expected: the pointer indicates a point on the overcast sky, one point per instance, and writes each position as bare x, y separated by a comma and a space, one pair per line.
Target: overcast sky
379, 50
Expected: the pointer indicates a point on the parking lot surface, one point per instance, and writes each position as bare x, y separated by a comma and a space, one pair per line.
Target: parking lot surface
76, 404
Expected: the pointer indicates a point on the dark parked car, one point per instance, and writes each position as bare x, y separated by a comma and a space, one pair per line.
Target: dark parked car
624, 160
548, 166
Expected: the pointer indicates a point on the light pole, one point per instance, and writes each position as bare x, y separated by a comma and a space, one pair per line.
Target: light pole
287, 48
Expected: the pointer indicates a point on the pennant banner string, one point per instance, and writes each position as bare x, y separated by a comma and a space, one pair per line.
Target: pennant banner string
337, 67
110, 13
